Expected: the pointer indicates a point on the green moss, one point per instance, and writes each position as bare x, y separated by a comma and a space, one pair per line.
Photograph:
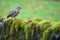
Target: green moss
6, 27
17, 29
44, 24
13, 25
53, 29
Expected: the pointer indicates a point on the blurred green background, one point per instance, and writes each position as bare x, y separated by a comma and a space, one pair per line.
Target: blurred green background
47, 10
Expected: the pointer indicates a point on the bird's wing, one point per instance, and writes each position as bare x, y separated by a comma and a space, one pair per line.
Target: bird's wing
11, 13
16, 14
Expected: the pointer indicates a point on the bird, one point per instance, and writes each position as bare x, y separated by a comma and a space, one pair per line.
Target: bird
14, 13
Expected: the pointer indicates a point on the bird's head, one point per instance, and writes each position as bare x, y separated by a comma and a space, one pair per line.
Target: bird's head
19, 8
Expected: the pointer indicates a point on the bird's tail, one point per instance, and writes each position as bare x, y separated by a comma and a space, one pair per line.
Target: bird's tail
8, 16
